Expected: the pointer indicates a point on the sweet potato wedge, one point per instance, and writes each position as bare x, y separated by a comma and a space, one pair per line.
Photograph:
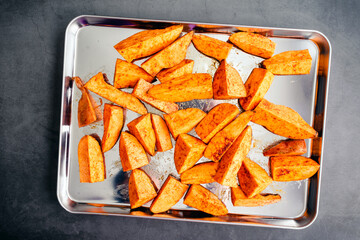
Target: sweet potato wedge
132, 154
185, 88
200, 174
202, 199
282, 121
168, 57
128, 74
170, 193
98, 85
252, 178
231, 161
113, 123
142, 129
163, 140
140, 91
290, 62
227, 83
212, 47
184, 120
219, 116
188, 150
141, 188
256, 86
287, 147
254, 44
292, 168
88, 110
91, 161
148, 42
184, 67
222, 141
238, 198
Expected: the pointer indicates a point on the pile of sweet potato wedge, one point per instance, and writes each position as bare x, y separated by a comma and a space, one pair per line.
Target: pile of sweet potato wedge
223, 135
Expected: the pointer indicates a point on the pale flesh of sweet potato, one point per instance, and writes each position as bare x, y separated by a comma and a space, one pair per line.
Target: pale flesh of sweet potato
227, 83
252, 178
184, 88
169, 56
239, 199
212, 47
188, 150
132, 153
162, 134
282, 121
98, 85
252, 43
142, 129
290, 62
202, 199
91, 161
170, 193
231, 161
184, 67
113, 123
141, 188
222, 141
287, 147
128, 74
292, 168
183, 120
140, 91
256, 86
219, 117
148, 42
200, 174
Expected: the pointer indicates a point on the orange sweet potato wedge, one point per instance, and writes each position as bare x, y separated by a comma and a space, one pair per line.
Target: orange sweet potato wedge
183, 120
231, 161
98, 85
141, 188
256, 86
88, 110
140, 91
292, 168
212, 47
227, 83
219, 117
168, 57
170, 193
113, 123
200, 174
91, 161
147, 42
222, 141
254, 44
188, 150
184, 67
128, 74
290, 62
252, 178
282, 121
163, 139
142, 129
132, 153
202, 199
239, 199
184, 88
287, 147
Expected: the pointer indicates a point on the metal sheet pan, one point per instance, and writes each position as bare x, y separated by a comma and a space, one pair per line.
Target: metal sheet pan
89, 42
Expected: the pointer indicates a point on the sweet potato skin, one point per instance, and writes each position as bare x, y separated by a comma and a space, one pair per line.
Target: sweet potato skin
170, 193
132, 153
113, 123
163, 139
141, 188
184, 67
128, 74
238, 198
282, 121
212, 47
287, 147
200, 174
292, 168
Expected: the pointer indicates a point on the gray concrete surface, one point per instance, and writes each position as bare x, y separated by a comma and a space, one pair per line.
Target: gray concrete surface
31, 55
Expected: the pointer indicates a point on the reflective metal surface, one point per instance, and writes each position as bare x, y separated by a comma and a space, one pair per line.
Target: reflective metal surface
89, 49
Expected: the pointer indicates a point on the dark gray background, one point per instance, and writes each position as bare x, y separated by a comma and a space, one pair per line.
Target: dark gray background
31, 55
